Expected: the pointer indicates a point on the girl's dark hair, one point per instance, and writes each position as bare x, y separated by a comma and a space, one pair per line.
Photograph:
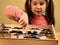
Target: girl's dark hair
49, 11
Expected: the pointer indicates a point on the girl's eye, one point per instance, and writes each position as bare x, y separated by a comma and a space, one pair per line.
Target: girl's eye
34, 3
41, 3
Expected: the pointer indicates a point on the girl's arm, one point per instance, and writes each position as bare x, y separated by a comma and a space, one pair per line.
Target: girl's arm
13, 12
17, 14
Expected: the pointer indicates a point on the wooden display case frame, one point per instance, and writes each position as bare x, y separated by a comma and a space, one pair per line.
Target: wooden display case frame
9, 41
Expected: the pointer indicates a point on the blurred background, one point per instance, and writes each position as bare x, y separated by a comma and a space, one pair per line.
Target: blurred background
20, 4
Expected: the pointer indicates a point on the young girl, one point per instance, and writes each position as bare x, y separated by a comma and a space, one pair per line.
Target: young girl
38, 12
36, 9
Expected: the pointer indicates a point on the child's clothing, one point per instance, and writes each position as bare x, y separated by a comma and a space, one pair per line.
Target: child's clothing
15, 12
39, 20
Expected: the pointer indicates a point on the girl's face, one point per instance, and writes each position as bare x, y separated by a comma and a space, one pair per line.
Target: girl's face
38, 7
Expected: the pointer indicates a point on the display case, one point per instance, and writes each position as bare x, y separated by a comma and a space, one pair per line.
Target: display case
13, 34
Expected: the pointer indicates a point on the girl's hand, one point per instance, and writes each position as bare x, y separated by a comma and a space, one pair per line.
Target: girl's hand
24, 21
